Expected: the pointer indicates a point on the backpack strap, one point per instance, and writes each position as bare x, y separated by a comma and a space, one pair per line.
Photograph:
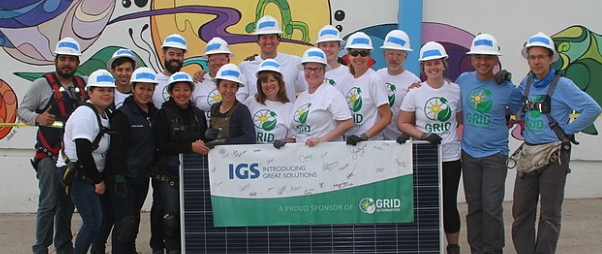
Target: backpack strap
102, 130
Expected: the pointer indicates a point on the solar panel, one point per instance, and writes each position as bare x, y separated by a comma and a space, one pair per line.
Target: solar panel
421, 236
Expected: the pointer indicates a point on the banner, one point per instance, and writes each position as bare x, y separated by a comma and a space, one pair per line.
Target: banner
330, 183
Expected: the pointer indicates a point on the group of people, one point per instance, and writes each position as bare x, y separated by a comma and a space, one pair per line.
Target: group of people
134, 123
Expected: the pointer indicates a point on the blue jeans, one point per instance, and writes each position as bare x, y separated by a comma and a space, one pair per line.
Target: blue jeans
170, 197
53, 206
89, 206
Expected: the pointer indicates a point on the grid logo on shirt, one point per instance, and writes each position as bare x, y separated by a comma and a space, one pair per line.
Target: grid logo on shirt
265, 119
480, 100
437, 109
391, 89
354, 99
214, 97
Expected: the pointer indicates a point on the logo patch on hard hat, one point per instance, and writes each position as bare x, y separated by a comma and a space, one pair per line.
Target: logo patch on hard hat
316, 54
539, 39
213, 46
175, 39
360, 41
329, 32
266, 24
145, 75
483, 42
67, 44
105, 78
124, 52
180, 76
432, 52
270, 63
231, 73
397, 41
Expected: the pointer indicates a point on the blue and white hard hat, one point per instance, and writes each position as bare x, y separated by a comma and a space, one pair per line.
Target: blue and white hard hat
314, 55
329, 33
144, 75
541, 40
484, 44
217, 45
122, 53
100, 78
432, 50
179, 77
175, 41
359, 40
268, 65
267, 25
68, 46
229, 72
397, 39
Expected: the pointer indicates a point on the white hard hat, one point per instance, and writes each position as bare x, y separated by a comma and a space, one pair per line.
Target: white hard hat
122, 53
541, 40
179, 77
217, 45
101, 78
484, 44
269, 65
144, 75
359, 40
229, 72
174, 41
432, 50
68, 46
267, 25
329, 33
314, 55
397, 39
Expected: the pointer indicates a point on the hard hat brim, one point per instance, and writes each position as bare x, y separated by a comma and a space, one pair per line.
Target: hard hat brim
396, 48
476, 52
110, 62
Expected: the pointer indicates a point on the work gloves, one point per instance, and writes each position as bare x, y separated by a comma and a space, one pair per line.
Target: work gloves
354, 139
211, 133
278, 143
431, 137
502, 76
403, 138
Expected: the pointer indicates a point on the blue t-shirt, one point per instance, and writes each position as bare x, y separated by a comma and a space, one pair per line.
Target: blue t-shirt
566, 98
484, 102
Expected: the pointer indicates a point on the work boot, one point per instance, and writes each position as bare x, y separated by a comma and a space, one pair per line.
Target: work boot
453, 249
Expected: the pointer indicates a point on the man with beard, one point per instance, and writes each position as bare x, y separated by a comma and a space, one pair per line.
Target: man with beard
48, 103
174, 47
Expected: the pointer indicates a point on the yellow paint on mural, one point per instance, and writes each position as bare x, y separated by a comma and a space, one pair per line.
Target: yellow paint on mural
306, 18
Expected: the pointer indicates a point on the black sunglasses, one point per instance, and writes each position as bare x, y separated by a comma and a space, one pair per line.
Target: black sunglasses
359, 52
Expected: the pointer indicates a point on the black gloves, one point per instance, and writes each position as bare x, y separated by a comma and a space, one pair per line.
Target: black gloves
354, 139
121, 189
502, 76
278, 143
431, 137
211, 133
403, 138
213, 143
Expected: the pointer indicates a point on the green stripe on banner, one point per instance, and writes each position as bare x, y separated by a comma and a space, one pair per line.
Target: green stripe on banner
387, 201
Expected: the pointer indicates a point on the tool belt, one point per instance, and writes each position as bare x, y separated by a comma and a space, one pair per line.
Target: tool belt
535, 157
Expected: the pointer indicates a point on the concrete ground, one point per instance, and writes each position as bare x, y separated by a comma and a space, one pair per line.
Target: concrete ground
581, 229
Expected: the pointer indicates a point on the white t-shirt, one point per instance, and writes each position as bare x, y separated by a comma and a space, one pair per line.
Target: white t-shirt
335, 76
435, 111
120, 97
397, 88
161, 94
205, 94
363, 96
316, 114
271, 121
293, 78
82, 124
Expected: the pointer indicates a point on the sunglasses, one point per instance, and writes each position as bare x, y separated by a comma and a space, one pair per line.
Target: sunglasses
359, 52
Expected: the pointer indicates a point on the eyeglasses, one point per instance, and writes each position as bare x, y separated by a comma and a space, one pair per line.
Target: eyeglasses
309, 69
218, 59
538, 57
359, 52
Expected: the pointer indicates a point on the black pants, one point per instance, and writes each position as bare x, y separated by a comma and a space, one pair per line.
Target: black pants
156, 218
452, 171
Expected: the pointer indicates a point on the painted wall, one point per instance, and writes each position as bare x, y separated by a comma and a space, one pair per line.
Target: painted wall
29, 30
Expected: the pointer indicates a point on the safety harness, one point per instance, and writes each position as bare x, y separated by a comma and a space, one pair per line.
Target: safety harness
222, 123
75, 170
47, 150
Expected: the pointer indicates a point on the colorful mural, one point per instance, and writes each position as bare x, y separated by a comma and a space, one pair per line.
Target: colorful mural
29, 29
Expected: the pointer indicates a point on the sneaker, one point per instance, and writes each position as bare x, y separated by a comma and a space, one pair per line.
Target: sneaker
453, 249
